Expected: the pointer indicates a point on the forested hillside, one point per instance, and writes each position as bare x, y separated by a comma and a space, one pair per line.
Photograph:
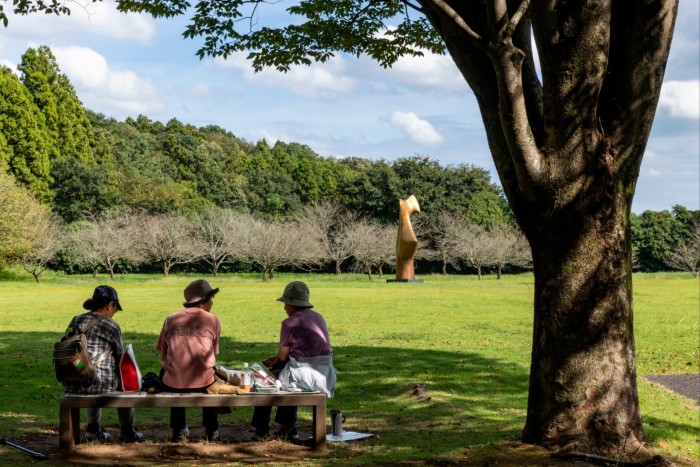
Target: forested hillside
65, 167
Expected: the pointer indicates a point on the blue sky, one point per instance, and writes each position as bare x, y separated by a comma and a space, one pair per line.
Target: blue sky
126, 65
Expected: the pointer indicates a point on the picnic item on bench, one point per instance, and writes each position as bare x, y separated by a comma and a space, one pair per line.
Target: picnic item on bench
71, 358
129, 371
222, 387
261, 376
246, 378
230, 375
261, 381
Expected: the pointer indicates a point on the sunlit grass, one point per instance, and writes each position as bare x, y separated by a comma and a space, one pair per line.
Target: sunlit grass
467, 341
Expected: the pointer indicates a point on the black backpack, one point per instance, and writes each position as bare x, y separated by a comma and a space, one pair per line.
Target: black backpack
71, 358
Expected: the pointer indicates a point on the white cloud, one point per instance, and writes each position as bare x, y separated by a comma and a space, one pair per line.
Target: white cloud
99, 86
318, 81
436, 72
96, 18
420, 131
681, 98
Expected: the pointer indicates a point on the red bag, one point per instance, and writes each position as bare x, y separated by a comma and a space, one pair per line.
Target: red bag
129, 371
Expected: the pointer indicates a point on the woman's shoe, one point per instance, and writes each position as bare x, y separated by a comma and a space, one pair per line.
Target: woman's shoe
287, 433
94, 432
130, 435
180, 436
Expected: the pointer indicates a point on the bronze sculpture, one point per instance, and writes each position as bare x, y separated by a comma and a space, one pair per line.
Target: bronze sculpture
406, 241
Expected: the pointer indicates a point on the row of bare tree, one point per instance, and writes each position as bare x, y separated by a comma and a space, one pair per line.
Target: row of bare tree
320, 234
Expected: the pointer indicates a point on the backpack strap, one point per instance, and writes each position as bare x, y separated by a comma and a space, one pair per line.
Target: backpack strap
90, 324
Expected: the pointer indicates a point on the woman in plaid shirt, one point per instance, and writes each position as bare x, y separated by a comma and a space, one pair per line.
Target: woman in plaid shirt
106, 348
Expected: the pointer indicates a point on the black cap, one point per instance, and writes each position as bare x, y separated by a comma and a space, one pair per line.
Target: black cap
102, 295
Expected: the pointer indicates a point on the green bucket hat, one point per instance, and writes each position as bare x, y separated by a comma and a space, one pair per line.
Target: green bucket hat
296, 294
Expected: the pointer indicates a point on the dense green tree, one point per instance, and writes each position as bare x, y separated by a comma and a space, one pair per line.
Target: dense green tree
422, 177
272, 190
370, 188
488, 210
23, 144
654, 234
82, 190
463, 181
204, 164
67, 123
686, 221
463, 188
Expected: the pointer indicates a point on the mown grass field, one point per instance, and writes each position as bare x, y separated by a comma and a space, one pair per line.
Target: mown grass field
467, 341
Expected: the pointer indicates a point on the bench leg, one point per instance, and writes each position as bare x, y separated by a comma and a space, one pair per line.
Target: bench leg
319, 424
68, 429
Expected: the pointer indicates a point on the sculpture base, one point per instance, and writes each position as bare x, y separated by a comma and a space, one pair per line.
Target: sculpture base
405, 280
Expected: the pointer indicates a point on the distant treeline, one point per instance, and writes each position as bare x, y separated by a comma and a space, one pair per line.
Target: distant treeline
74, 166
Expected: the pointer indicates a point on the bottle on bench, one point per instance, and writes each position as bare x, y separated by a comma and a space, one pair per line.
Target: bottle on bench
246, 378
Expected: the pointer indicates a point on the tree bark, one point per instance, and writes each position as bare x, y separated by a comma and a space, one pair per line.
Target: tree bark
568, 155
583, 375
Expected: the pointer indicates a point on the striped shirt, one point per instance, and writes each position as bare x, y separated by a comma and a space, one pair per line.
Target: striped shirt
106, 348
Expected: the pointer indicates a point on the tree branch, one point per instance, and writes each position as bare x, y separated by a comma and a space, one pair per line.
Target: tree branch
454, 16
412, 5
528, 160
515, 19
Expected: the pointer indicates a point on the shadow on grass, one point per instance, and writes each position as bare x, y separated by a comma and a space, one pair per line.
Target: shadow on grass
468, 400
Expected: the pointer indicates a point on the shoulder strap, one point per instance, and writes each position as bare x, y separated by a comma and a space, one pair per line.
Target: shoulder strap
92, 323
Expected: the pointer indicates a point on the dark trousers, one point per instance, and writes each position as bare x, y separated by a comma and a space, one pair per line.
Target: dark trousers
285, 416
178, 419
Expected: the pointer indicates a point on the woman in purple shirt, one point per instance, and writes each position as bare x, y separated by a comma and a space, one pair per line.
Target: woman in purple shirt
303, 338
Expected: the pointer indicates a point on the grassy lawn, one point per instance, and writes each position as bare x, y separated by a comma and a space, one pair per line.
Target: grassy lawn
467, 341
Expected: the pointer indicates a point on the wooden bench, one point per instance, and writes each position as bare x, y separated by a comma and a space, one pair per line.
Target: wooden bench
69, 414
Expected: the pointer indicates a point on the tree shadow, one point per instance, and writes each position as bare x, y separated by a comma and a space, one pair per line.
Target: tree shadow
465, 399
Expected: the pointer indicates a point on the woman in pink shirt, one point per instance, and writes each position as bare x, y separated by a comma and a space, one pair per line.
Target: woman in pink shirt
188, 345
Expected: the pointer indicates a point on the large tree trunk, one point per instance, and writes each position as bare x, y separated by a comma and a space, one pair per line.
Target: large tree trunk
583, 390
568, 155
